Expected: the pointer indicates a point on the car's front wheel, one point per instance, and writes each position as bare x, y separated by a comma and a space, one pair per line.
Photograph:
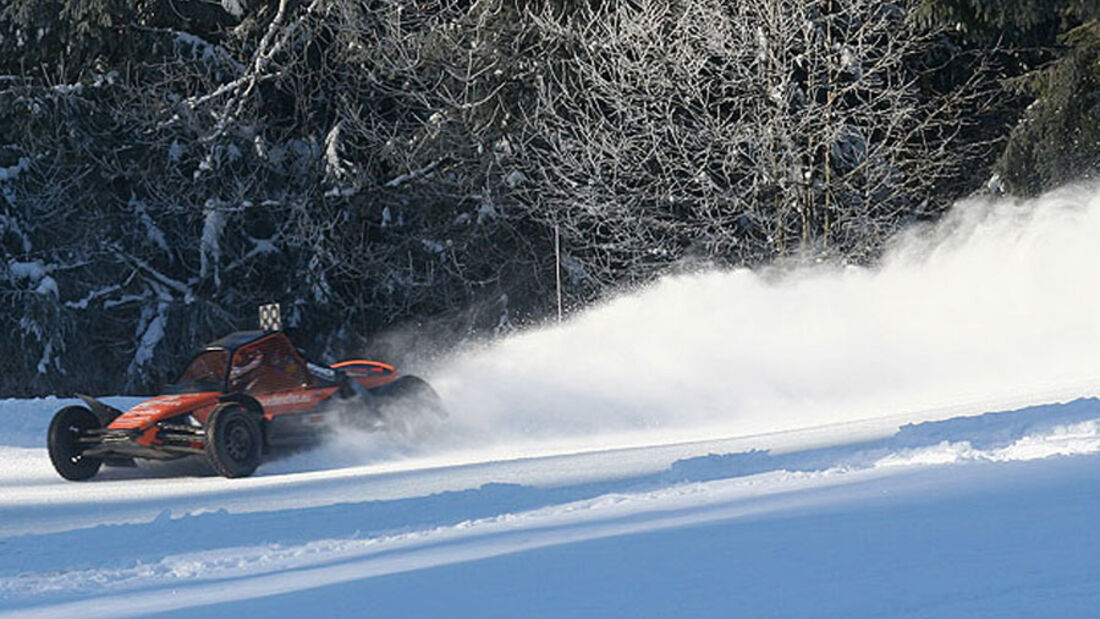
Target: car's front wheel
234, 441
63, 442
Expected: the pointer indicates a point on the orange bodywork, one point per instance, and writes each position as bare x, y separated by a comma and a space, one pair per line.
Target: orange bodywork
303, 400
370, 374
363, 362
145, 416
244, 395
281, 385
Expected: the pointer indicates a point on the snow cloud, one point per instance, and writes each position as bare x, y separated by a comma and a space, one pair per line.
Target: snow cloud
997, 301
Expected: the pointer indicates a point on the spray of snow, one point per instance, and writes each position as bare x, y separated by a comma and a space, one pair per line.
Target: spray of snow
996, 301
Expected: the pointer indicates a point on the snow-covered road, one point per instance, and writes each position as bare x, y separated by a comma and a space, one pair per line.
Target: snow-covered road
985, 515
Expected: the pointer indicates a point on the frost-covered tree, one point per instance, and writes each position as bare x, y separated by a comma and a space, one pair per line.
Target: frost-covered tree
741, 132
399, 166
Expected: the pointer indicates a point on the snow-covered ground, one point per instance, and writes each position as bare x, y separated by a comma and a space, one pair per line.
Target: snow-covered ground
819, 442
985, 515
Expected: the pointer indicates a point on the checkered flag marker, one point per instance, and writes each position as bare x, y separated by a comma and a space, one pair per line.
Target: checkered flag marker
270, 317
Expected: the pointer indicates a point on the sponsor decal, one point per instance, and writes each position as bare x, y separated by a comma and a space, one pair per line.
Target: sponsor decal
285, 399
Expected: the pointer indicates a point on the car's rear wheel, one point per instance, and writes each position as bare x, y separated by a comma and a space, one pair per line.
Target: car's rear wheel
63, 442
234, 441
409, 407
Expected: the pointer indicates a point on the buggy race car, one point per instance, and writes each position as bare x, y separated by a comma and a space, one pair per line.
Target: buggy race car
240, 397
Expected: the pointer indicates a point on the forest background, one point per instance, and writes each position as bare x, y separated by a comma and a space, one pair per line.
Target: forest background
401, 174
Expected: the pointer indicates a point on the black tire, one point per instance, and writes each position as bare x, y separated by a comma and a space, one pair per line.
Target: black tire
417, 392
234, 441
62, 441
409, 407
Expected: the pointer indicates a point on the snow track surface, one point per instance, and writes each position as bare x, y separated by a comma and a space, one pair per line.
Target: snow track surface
163, 539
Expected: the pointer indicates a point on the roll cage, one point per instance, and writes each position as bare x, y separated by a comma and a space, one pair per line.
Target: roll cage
250, 362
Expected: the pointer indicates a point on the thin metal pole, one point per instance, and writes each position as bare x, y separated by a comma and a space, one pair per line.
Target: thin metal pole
557, 264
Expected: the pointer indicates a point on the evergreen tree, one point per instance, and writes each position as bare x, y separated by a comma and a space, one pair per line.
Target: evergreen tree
1057, 44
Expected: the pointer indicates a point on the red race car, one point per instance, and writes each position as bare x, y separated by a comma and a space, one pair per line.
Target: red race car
241, 396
